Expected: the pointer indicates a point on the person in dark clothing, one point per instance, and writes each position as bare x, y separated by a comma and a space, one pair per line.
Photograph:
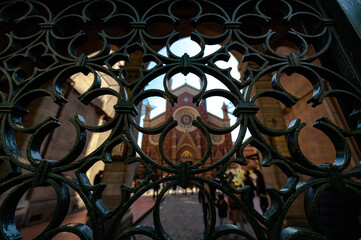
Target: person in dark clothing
222, 209
156, 187
205, 205
248, 182
212, 189
175, 189
98, 177
261, 190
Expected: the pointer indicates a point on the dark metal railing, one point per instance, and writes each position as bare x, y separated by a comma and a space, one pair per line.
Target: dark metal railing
43, 45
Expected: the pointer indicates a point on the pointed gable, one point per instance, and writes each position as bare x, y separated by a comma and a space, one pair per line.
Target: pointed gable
185, 89
218, 155
186, 140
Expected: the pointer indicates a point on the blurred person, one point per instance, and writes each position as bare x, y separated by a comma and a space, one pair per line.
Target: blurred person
222, 206
248, 182
156, 187
261, 190
98, 178
205, 205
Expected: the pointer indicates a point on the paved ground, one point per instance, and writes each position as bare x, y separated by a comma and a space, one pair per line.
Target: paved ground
30, 233
182, 218
139, 209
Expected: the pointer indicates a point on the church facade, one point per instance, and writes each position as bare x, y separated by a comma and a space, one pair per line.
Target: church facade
186, 143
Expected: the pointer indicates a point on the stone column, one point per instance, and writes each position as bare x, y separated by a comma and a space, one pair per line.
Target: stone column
226, 120
271, 115
199, 147
116, 174
174, 147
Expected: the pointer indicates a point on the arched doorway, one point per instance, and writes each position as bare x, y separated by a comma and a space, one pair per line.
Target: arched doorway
186, 156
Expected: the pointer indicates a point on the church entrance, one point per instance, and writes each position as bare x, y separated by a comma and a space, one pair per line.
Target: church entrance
186, 156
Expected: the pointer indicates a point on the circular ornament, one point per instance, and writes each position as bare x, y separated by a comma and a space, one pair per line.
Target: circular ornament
184, 118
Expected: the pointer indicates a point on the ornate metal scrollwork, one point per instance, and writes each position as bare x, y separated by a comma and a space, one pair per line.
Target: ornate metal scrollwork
42, 47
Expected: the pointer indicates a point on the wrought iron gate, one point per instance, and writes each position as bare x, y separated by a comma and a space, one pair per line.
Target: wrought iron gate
45, 43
